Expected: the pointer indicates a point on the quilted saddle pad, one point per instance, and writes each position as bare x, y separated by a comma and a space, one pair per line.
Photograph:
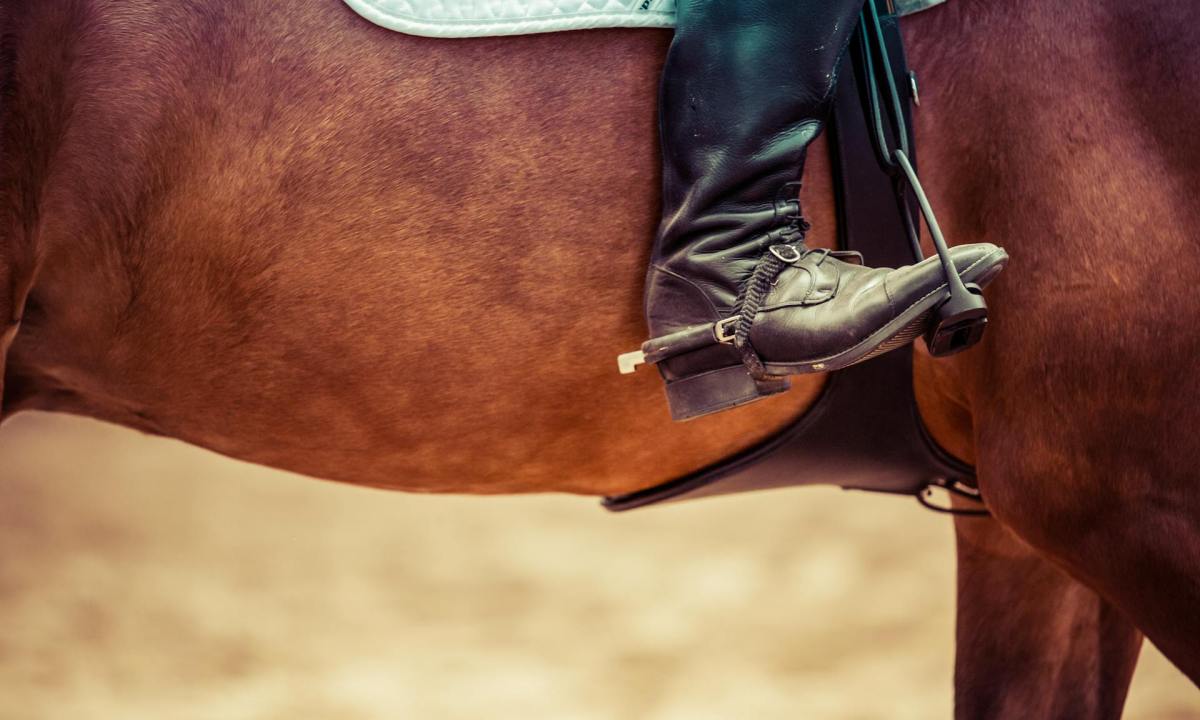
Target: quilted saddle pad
480, 18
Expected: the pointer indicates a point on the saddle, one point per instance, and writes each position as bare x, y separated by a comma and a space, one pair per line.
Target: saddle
864, 431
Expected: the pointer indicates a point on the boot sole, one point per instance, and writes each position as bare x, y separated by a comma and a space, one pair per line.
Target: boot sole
902, 330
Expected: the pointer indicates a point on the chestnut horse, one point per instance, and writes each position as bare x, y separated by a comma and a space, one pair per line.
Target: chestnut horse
301, 240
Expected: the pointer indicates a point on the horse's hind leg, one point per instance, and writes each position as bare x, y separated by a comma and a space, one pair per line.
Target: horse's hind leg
1033, 642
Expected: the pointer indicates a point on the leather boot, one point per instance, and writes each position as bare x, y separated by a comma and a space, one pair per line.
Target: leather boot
734, 301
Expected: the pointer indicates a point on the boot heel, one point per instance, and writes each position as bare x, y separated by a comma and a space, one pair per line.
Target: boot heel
716, 390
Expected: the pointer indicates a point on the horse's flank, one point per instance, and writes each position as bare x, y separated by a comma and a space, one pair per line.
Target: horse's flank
306, 242
301, 240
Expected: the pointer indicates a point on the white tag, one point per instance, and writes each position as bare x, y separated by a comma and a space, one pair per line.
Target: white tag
659, 6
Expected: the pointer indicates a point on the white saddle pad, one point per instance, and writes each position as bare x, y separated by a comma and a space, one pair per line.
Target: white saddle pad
479, 18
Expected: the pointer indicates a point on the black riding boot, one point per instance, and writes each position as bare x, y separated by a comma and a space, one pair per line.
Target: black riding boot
734, 300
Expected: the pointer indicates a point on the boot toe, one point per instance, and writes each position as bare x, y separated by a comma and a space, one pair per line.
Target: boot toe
874, 310
978, 262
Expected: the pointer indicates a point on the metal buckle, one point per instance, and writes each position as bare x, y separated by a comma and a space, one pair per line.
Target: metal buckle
725, 330
787, 253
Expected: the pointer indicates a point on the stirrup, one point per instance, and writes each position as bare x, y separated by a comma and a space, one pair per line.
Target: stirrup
958, 323
960, 320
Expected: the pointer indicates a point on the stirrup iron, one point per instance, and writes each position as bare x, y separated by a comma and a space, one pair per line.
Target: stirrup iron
959, 321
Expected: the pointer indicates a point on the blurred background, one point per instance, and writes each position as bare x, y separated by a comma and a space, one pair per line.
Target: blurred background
142, 578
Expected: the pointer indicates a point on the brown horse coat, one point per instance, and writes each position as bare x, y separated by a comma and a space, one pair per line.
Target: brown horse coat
303, 241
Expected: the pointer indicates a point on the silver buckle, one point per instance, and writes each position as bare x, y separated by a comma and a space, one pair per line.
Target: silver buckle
725, 330
787, 253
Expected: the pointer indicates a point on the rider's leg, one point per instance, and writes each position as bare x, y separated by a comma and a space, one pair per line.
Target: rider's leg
745, 89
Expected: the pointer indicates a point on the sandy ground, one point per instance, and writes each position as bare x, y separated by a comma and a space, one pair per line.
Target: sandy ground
141, 578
